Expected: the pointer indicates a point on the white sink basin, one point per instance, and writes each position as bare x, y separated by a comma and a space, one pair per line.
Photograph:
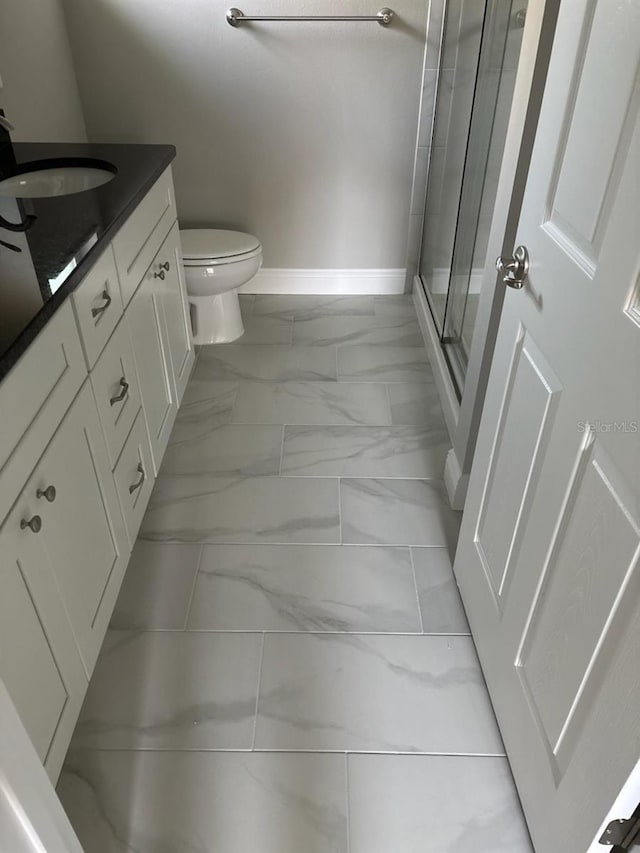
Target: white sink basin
53, 180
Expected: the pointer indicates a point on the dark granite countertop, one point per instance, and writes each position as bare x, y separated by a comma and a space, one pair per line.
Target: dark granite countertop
68, 235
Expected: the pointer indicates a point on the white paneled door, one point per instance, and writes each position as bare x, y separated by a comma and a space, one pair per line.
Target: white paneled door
32, 819
548, 554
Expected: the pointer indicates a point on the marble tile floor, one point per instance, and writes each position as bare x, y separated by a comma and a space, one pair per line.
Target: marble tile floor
289, 668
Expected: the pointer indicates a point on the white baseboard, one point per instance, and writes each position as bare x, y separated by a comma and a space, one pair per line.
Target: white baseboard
329, 282
455, 481
444, 384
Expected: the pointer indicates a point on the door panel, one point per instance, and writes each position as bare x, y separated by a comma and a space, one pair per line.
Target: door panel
604, 84
36, 686
562, 648
133, 477
32, 819
82, 528
39, 660
145, 319
548, 553
176, 312
525, 423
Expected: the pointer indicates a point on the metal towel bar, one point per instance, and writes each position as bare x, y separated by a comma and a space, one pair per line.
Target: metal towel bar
235, 17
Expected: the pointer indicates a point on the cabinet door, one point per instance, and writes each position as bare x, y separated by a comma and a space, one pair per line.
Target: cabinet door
82, 525
175, 305
39, 660
133, 477
115, 387
145, 319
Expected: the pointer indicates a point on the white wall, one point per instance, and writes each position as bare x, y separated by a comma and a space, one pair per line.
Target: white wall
39, 93
303, 134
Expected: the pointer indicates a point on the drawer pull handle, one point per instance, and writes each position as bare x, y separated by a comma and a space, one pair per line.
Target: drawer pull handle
49, 494
159, 275
165, 266
137, 485
34, 524
96, 312
124, 386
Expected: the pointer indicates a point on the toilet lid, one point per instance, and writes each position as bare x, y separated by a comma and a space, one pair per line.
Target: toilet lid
210, 243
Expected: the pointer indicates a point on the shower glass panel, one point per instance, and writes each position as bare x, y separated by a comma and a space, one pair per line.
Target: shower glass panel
479, 58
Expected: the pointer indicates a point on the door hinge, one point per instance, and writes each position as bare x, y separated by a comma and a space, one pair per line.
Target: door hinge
621, 834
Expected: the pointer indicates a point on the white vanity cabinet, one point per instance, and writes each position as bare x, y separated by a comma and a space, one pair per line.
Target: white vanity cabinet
90, 406
159, 325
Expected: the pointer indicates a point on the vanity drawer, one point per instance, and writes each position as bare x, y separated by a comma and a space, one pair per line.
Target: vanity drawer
138, 241
134, 477
115, 387
34, 397
98, 306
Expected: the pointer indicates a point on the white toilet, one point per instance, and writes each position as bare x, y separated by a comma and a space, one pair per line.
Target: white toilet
216, 264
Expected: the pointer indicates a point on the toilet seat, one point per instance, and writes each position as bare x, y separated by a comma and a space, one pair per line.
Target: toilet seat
205, 247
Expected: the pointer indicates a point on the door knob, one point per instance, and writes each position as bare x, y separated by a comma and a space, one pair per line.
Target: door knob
165, 266
514, 270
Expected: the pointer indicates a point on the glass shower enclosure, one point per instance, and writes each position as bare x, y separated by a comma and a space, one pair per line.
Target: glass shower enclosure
479, 54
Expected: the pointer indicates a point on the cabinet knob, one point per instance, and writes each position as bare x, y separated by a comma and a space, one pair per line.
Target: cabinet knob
159, 275
140, 481
34, 524
165, 266
49, 494
124, 390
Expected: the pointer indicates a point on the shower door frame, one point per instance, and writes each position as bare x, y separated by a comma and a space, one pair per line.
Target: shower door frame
478, 150
463, 414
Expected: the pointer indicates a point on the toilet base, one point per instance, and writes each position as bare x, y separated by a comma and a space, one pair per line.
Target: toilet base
216, 319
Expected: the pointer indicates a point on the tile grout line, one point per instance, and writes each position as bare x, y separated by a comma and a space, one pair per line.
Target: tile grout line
222, 750
284, 426
193, 587
388, 395
255, 718
415, 584
347, 804
282, 543
297, 632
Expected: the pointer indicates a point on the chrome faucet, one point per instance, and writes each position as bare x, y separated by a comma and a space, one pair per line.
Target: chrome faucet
5, 123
